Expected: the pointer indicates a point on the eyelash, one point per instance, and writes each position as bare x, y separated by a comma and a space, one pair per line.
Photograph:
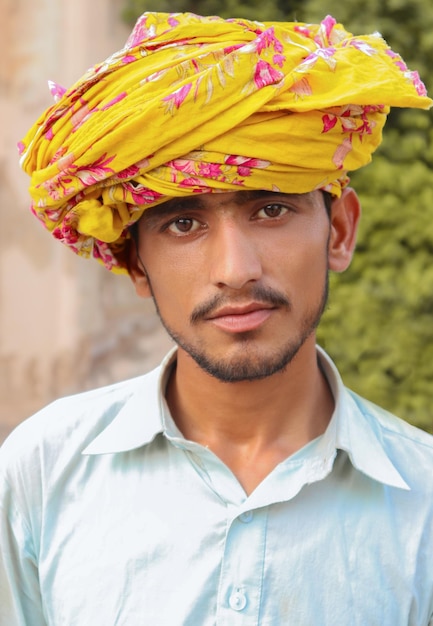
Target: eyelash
178, 220
186, 218
275, 204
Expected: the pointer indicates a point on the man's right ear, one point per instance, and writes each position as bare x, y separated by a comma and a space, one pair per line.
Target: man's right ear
136, 270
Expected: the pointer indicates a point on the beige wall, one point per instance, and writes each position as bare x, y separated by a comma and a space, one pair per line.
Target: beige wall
65, 323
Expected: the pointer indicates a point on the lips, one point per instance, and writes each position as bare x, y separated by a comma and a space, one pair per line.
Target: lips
242, 318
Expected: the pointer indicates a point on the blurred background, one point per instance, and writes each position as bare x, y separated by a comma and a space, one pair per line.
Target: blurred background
67, 324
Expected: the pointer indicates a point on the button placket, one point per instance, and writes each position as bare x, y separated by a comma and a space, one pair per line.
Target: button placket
241, 574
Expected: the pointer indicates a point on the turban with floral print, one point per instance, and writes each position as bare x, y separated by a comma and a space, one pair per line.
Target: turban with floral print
200, 104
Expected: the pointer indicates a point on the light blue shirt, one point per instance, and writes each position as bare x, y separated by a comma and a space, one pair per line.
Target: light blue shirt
109, 517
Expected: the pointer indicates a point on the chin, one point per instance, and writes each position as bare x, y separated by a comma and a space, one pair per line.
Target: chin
248, 367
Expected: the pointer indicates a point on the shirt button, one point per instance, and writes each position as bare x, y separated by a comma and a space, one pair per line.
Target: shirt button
246, 517
238, 600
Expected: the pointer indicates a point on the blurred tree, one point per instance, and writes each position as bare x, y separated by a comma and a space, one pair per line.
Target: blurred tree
249, 9
379, 324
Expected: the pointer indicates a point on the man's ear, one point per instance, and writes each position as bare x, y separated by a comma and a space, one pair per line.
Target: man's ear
136, 270
345, 214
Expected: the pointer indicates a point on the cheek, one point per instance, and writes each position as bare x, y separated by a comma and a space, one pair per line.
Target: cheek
172, 274
163, 260
171, 278
305, 254
174, 268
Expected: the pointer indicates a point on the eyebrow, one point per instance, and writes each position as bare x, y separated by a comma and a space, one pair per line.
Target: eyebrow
188, 203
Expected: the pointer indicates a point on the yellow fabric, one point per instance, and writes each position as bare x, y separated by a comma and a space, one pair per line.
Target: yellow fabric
198, 104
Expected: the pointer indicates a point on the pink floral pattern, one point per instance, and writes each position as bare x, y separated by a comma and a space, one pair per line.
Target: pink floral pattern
177, 98
245, 165
57, 91
265, 75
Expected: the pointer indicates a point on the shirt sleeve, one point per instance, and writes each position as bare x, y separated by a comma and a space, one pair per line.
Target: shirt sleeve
20, 598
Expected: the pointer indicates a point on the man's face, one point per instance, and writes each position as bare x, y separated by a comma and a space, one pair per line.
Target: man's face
239, 279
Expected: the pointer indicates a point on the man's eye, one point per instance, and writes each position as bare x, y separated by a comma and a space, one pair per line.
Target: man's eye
183, 225
272, 210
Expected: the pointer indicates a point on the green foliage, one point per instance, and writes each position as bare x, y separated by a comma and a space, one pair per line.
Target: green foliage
249, 9
379, 325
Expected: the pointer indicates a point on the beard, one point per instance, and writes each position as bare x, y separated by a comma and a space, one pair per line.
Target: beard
250, 363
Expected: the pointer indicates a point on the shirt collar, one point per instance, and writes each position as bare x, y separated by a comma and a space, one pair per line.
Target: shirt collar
140, 418
353, 429
143, 416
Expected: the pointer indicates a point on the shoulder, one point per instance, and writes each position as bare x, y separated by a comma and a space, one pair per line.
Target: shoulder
42, 461
69, 423
392, 426
409, 448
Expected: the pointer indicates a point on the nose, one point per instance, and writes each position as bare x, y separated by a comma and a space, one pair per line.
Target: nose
235, 256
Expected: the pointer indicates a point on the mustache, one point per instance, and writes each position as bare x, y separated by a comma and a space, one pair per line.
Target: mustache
259, 293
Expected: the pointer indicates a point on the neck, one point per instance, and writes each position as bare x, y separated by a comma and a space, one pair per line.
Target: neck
252, 425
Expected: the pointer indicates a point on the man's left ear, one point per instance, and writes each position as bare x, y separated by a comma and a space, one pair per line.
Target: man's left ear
345, 214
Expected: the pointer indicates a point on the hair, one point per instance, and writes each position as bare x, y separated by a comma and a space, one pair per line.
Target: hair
327, 200
133, 231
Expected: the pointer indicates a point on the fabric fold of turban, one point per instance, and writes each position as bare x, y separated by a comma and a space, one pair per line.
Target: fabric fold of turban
200, 104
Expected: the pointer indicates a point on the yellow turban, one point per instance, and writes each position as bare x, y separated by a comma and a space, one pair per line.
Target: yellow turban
199, 104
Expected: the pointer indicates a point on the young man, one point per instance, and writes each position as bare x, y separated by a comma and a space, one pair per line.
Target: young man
240, 482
